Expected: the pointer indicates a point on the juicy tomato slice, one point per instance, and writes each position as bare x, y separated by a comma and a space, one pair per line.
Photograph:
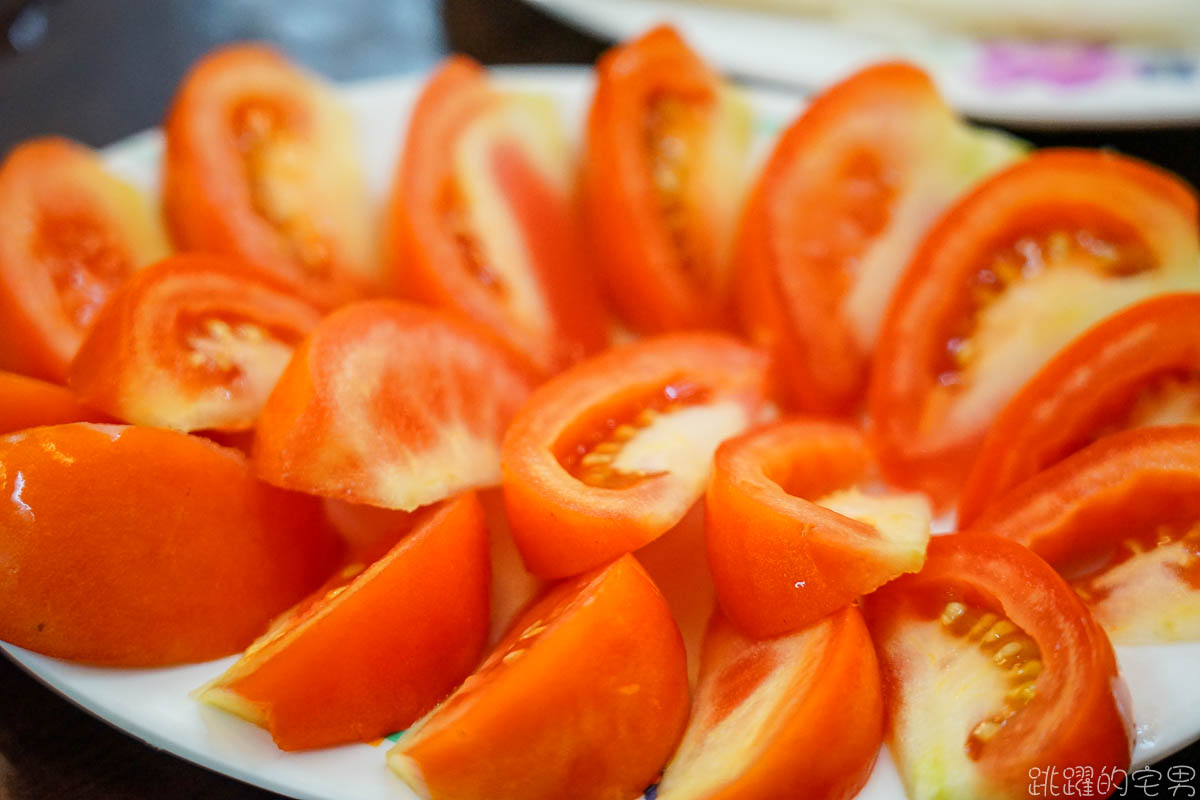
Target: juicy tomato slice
1121, 520
1139, 367
514, 588
375, 648
391, 405
192, 562
612, 453
796, 530
585, 697
993, 667
71, 233
839, 208
29, 403
760, 724
662, 175
193, 342
482, 218
1030, 259
261, 164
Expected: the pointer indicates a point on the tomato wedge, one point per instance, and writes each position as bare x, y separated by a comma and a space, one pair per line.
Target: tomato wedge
376, 647
586, 697
662, 175
192, 342
792, 535
385, 404
70, 233
1121, 520
1030, 259
838, 210
29, 403
611, 454
1139, 367
131, 546
482, 218
992, 667
261, 164
760, 724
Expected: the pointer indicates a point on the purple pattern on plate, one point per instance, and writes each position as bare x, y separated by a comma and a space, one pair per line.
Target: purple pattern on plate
1064, 64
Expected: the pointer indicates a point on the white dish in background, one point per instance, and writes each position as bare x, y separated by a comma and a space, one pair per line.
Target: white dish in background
1012, 82
154, 705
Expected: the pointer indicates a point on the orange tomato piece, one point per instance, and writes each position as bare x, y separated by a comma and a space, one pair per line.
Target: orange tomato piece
663, 169
1030, 259
70, 233
130, 546
992, 668
1120, 519
261, 164
761, 723
842, 202
795, 529
1140, 367
29, 403
482, 219
609, 455
585, 697
375, 648
392, 405
192, 342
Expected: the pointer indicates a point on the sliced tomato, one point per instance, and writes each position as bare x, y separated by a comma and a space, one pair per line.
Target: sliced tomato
132, 546
391, 405
796, 530
1121, 520
29, 403
840, 206
662, 175
760, 724
993, 668
70, 233
376, 647
1030, 259
1137, 368
261, 164
514, 587
611, 454
585, 697
482, 219
193, 342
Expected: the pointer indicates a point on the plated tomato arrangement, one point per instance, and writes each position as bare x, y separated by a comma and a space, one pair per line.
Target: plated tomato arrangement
610, 469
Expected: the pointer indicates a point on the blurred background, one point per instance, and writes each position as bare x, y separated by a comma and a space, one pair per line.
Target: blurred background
99, 70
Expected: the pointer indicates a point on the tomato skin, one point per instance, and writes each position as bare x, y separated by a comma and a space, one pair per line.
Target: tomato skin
564, 526
212, 202
1102, 493
837, 211
1151, 210
380, 405
780, 560
638, 255
1077, 716
426, 256
134, 362
832, 683
190, 554
373, 655
585, 697
71, 233
30, 403
1081, 393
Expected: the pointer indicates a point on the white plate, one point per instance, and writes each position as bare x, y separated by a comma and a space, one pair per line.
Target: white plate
154, 705
1017, 83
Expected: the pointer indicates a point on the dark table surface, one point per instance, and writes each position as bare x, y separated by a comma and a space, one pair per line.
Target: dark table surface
98, 70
